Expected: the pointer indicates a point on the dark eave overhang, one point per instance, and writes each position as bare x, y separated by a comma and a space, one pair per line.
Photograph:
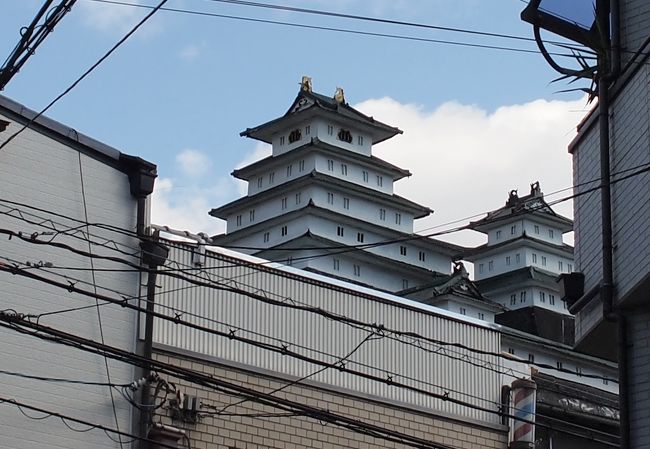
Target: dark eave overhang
522, 275
74, 139
316, 145
315, 177
473, 254
445, 248
322, 106
505, 215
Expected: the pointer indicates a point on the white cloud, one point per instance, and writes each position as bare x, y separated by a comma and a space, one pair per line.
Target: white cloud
193, 162
190, 52
465, 160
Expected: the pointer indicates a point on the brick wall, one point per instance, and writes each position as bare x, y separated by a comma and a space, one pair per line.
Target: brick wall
237, 432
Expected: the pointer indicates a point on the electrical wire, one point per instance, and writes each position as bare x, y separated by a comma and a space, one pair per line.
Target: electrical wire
61, 380
119, 43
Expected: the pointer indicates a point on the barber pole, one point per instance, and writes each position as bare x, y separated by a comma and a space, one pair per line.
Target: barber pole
522, 430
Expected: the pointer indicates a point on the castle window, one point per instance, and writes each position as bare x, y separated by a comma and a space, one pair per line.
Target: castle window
551, 233
405, 284
346, 203
511, 351
360, 237
238, 220
569, 268
481, 316
536, 229
330, 198
251, 215
281, 140
560, 265
284, 230
344, 169
357, 270
517, 258
508, 260
542, 296
491, 265
551, 299
295, 135
289, 170
271, 177
398, 218
267, 237
260, 182
513, 299
421, 256
463, 311
380, 181
330, 130
522, 297
531, 358
365, 176
345, 135
284, 203
480, 268
308, 129
290, 261
543, 261
559, 365
382, 214
402, 250
330, 165
534, 258
340, 231
337, 264
498, 234
360, 140
301, 165
513, 229
298, 197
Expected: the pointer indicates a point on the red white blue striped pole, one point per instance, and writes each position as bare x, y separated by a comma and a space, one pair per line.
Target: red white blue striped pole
522, 432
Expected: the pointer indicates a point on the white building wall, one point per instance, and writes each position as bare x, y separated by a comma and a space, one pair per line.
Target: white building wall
44, 173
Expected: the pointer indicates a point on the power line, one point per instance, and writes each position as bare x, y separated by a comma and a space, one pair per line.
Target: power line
333, 29
61, 380
85, 74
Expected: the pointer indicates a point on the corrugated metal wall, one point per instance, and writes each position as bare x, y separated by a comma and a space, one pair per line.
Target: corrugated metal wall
458, 373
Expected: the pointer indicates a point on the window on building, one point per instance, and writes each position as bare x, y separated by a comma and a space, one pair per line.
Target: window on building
542, 296
398, 218
345, 135
301, 165
559, 365
491, 265
513, 299
360, 140
551, 299
402, 250
536, 229
365, 176
531, 358
498, 235
463, 311
511, 351
340, 231
578, 370
551, 233
522, 297
281, 140
330, 198
422, 256
569, 268
238, 220
330, 130
543, 261
480, 268
308, 129
284, 230
357, 270
481, 316
267, 237
295, 136
534, 258
271, 177
260, 182
513, 229
517, 259
251, 215
508, 260
330, 165
346, 203
298, 197
289, 170
605, 382
337, 264
380, 181
360, 237
560, 266
284, 203
405, 284
382, 214
344, 169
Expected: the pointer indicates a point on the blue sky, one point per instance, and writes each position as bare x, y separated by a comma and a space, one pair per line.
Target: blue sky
477, 122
